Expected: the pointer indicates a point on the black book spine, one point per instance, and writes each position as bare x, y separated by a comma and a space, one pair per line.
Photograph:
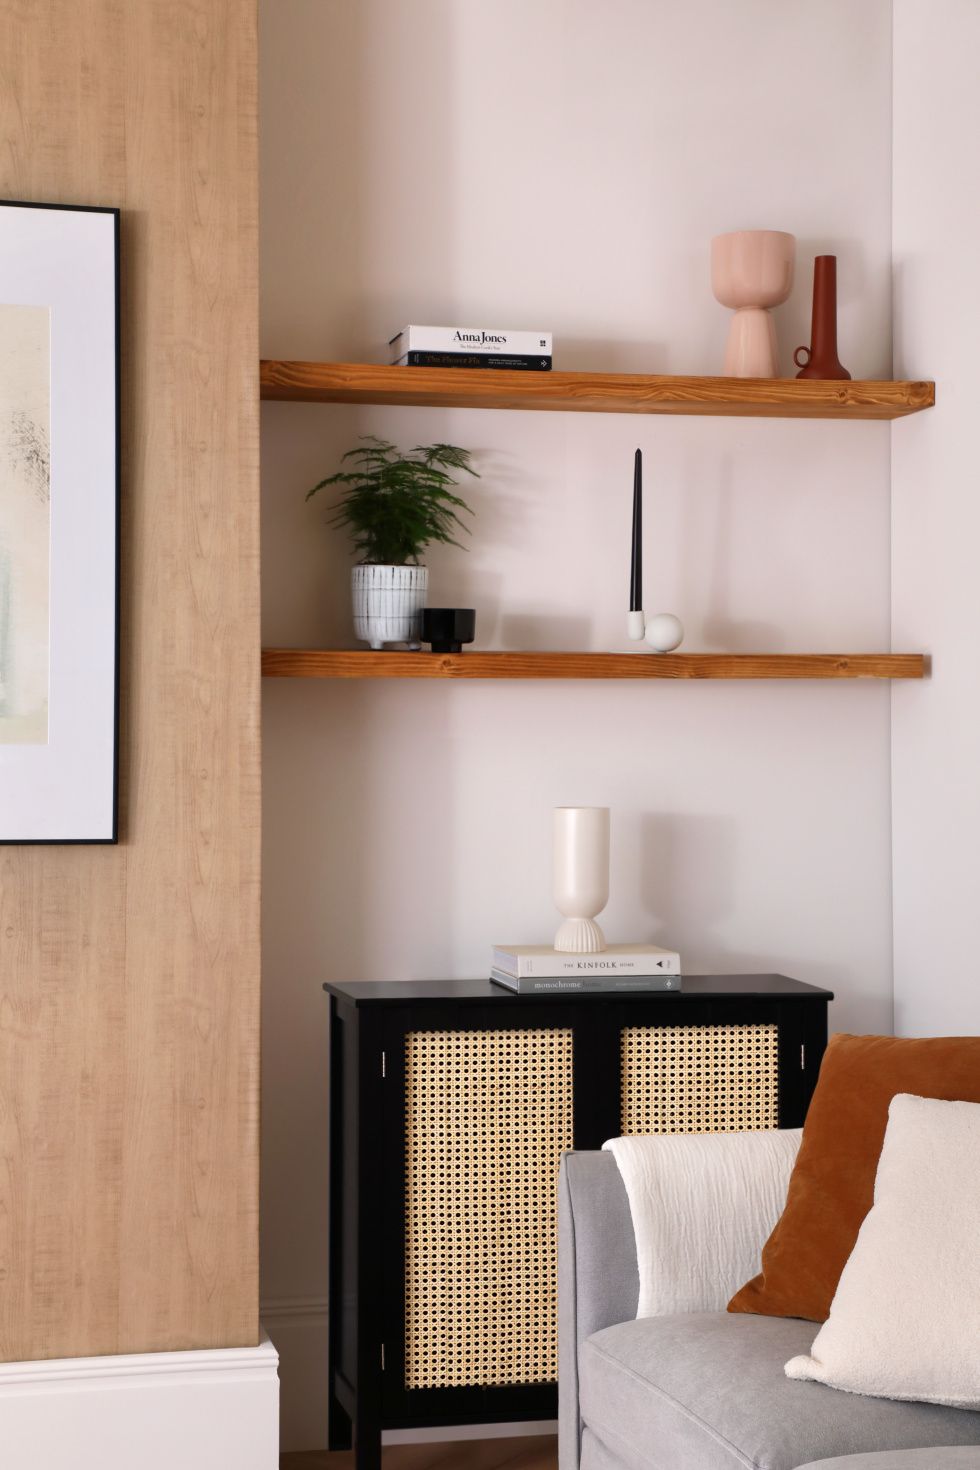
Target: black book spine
519, 363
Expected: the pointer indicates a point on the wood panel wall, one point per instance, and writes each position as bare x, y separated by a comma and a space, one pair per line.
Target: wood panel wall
129, 975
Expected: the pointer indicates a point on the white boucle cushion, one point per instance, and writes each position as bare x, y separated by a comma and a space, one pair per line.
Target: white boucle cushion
703, 1205
905, 1320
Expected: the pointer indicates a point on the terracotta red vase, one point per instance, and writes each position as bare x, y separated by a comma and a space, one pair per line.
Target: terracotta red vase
820, 359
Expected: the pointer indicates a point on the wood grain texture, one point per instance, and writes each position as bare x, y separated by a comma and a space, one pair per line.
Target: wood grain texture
329, 663
129, 974
537, 1452
800, 398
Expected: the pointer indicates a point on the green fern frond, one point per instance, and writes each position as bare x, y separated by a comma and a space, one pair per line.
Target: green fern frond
393, 506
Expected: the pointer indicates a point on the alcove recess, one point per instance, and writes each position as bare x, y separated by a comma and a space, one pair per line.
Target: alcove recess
555, 392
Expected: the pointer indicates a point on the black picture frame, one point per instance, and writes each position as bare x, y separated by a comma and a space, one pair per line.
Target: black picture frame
59, 764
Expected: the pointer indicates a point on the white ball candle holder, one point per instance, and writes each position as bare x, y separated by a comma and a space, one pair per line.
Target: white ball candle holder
662, 631
581, 873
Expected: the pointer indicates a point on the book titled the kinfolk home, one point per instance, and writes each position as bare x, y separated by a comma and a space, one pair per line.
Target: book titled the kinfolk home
540, 961
488, 341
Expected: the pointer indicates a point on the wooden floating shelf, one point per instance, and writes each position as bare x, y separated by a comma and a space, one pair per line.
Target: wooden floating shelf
330, 663
797, 398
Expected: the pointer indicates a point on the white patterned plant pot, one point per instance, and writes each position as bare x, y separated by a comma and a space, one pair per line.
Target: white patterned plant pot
388, 603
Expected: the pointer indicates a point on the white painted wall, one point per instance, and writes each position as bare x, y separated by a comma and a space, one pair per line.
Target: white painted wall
936, 518
563, 164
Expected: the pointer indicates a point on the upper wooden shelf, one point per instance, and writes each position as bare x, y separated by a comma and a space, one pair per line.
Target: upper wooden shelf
336, 663
797, 398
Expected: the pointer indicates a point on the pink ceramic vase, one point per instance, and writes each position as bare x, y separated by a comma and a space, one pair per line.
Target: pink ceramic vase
751, 271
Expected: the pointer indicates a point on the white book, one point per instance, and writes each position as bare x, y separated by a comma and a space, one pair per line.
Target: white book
470, 339
540, 960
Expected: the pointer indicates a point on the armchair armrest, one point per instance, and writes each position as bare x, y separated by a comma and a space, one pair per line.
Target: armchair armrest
681, 1234
598, 1279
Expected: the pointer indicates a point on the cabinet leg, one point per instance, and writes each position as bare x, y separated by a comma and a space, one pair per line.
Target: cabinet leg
367, 1447
340, 1433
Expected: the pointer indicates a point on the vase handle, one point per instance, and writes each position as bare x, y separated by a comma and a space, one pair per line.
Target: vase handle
806, 359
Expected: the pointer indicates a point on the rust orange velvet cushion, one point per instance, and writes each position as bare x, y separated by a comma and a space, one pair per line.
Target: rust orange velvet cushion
831, 1188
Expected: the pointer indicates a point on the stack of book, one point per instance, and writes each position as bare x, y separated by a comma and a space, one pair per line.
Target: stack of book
537, 969
471, 347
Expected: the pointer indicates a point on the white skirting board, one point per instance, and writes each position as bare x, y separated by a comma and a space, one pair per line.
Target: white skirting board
160, 1411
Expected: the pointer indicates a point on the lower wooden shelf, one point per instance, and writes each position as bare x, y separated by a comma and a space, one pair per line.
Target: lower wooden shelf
337, 663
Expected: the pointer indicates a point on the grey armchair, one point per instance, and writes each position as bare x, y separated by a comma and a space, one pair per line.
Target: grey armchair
706, 1390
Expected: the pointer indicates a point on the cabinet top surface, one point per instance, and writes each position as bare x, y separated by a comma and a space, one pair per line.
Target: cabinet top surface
695, 987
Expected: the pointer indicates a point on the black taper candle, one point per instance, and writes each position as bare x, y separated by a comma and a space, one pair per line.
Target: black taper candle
636, 559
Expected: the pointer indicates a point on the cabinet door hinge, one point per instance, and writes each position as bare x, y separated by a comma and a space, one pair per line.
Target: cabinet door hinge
383, 1071
803, 1058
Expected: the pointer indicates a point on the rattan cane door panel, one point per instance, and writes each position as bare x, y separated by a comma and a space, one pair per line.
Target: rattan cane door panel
488, 1114
699, 1079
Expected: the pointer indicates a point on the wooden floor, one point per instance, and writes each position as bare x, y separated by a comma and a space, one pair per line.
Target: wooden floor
539, 1453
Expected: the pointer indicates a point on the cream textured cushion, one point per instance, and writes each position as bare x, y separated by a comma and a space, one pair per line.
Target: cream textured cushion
702, 1205
905, 1321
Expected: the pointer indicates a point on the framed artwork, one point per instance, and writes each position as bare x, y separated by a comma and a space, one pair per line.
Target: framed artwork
59, 523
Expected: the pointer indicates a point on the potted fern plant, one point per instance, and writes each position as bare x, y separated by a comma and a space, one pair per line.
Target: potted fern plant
394, 505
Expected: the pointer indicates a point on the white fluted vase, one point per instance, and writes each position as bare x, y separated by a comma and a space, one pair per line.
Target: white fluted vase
388, 603
581, 876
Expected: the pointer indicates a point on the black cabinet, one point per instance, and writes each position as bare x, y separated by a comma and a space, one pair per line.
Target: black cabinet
451, 1103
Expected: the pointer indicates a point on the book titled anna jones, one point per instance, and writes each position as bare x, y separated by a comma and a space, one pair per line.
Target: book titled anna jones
476, 341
